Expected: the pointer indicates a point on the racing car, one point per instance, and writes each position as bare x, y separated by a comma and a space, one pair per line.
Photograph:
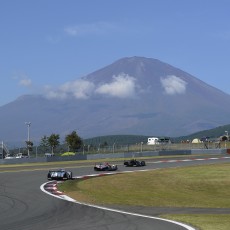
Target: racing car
105, 167
134, 162
59, 174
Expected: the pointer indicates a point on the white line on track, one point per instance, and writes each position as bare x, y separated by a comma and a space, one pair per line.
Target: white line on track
67, 198
64, 197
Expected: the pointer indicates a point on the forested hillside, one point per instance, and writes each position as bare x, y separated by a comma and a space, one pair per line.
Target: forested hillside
135, 139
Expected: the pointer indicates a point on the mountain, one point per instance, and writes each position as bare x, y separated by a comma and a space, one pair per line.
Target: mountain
135, 95
213, 134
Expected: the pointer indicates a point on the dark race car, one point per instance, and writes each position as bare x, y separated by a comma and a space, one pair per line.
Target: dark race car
134, 162
105, 167
59, 174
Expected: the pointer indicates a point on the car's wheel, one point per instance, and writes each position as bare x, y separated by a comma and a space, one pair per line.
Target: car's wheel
70, 175
49, 176
143, 163
65, 176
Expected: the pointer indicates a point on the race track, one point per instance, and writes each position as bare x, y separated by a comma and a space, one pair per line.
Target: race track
23, 206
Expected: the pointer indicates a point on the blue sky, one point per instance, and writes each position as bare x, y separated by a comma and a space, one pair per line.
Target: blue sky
46, 44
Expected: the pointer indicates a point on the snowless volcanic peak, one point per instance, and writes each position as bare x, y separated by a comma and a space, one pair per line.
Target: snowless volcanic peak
133, 95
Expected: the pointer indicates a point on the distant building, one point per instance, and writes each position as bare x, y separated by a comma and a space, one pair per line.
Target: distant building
153, 141
164, 140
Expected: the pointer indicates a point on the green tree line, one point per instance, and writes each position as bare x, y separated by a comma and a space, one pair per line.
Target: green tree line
72, 140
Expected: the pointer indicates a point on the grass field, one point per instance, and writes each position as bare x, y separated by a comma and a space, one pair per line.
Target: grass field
198, 187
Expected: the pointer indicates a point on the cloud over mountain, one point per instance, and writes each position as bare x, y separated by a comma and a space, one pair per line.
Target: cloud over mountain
121, 86
79, 89
133, 95
173, 85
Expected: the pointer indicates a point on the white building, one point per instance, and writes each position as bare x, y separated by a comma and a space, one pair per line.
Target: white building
153, 141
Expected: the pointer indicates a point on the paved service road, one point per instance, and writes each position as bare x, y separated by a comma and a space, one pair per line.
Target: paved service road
23, 206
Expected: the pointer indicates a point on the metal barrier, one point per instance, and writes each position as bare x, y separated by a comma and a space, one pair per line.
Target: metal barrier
113, 155
3, 150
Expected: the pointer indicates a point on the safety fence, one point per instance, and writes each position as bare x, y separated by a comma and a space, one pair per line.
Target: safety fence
104, 156
3, 150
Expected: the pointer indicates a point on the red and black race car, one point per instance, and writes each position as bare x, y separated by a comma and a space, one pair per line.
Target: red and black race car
134, 162
105, 167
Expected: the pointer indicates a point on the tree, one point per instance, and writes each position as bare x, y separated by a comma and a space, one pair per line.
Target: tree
53, 141
44, 143
224, 138
29, 145
105, 144
73, 141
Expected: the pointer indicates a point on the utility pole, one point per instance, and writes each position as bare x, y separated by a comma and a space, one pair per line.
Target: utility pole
28, 137
2, 151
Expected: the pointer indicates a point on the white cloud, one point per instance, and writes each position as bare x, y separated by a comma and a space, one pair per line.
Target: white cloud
85, 29
54, 94
23, 79
173, 85
25, 82
122, 86
80, 89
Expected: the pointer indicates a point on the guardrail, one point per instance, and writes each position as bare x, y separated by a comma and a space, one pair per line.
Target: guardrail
105, 156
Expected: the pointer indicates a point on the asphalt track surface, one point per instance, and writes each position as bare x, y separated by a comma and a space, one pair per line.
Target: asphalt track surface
23, 206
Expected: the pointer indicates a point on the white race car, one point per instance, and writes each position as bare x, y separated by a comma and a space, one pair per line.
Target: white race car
59, 174
105, 167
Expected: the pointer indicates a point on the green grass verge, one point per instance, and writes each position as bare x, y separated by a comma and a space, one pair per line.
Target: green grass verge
203, 221
198, 186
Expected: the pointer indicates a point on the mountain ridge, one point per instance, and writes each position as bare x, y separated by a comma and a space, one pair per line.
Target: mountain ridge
135, 95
